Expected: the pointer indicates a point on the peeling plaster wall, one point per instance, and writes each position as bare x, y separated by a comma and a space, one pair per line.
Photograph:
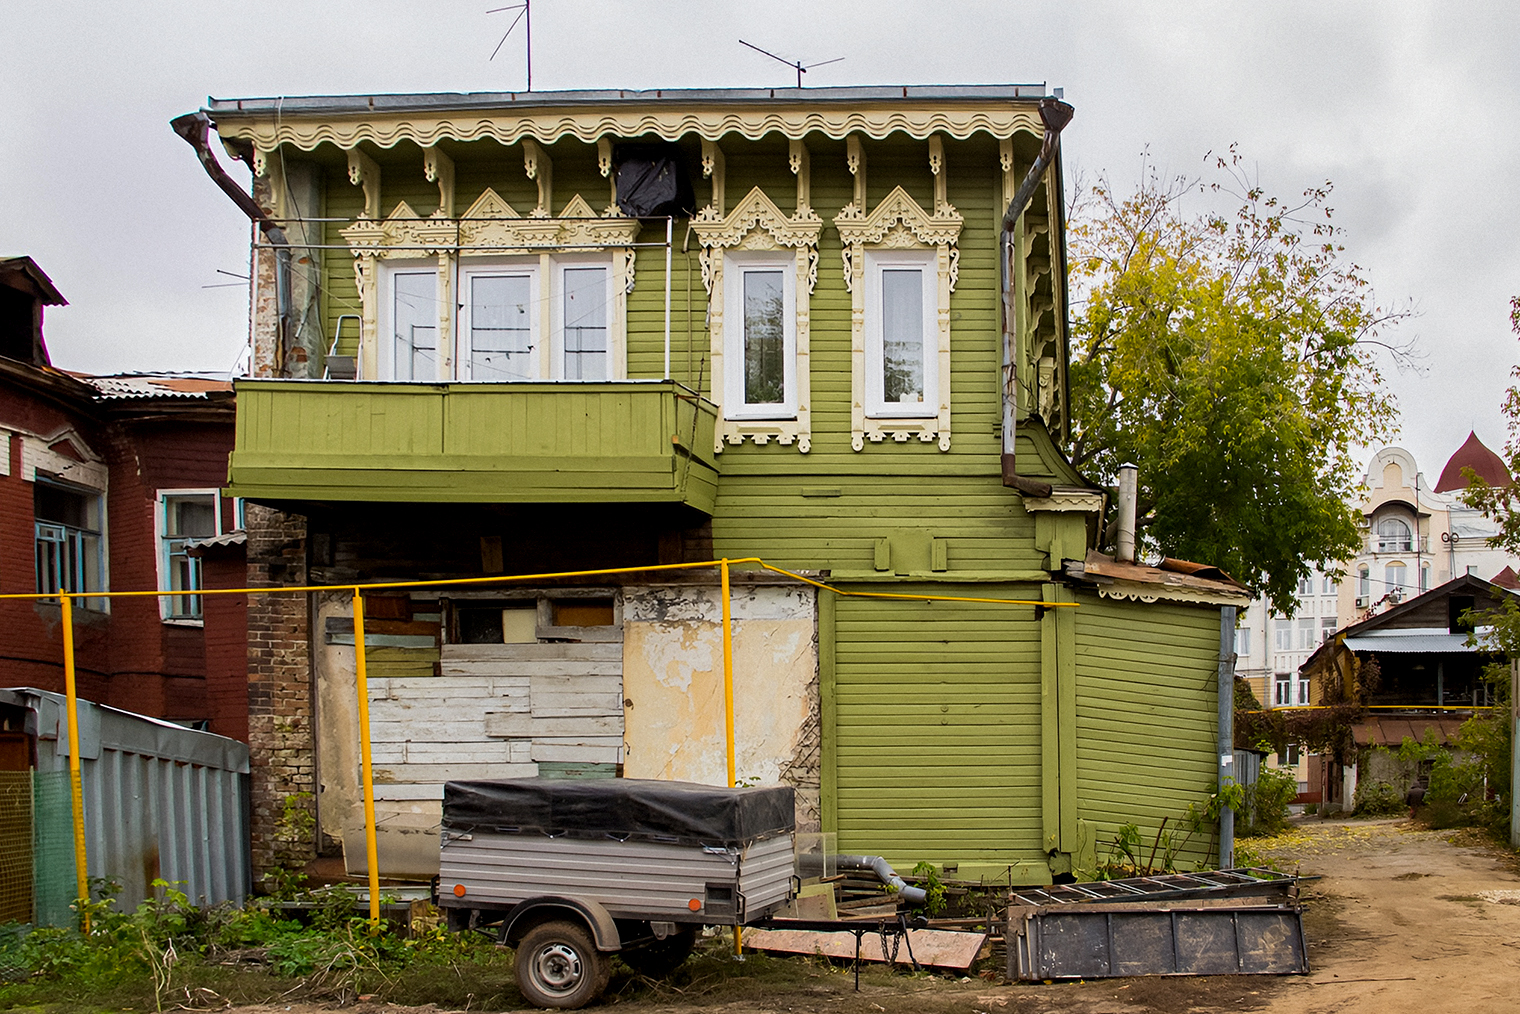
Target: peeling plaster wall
673, 688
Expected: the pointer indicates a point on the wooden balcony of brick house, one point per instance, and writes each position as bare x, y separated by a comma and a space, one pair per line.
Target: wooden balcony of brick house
552, 442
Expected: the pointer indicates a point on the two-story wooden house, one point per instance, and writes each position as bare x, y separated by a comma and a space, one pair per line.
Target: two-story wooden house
530, 333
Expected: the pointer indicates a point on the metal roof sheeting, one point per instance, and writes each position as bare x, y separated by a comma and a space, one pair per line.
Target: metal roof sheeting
156, 385
160, 800
1411, 642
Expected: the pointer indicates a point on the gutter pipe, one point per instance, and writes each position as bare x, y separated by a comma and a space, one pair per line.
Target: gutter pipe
1226, 731
1055, 114
875, 864
195, 129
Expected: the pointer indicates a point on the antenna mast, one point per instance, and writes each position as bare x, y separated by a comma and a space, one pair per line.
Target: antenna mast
796, 65
524, 14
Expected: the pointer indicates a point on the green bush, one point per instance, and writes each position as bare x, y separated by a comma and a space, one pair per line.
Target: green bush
1266, 802
1378, 799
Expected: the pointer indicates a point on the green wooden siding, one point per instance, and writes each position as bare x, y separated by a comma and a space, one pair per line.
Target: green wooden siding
1146, 714
937, 730
505, 443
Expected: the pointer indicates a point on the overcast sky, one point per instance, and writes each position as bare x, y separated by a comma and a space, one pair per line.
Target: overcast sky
1410, 108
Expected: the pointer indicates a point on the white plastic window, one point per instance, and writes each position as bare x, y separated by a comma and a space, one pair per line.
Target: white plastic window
409, 324
760, 336
583, 342
902, 346
498, 323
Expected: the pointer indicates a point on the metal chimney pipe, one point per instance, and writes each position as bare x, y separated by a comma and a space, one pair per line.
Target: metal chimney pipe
1128, 487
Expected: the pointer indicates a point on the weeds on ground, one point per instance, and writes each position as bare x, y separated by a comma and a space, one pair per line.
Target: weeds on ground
170, 954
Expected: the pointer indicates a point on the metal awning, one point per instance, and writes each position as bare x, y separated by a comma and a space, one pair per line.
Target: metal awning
1422, 641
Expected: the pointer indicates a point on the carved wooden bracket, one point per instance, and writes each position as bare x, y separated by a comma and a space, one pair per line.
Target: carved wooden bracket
439, 169
801, 165
363, 172
540, 168
855, 159
713, 166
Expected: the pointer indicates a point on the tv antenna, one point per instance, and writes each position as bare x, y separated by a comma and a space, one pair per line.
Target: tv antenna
796, 65
525, 14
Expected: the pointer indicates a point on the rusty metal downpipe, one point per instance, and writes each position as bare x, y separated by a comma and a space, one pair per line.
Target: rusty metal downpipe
1055, 114
195, 129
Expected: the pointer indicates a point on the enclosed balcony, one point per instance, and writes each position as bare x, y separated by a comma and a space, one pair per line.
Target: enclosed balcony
616, 442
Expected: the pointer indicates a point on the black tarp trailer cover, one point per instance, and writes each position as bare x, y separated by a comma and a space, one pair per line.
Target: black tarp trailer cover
642, 849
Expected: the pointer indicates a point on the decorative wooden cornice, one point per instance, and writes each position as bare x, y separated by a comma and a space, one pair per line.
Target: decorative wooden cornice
591, 125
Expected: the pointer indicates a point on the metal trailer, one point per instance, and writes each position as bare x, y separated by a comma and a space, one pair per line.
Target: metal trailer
574, 871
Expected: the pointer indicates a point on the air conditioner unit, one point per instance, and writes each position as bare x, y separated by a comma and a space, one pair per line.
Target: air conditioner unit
1362, 601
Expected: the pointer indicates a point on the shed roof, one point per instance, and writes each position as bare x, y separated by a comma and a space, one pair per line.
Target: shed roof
1378, 730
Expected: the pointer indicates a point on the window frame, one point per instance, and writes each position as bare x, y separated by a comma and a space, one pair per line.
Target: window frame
161, 539
558, 265
926, 263
464, 345
389, 271
102, 562
735, 264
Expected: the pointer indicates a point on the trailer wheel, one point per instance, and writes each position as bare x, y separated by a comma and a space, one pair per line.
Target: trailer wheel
559, 967
662, 957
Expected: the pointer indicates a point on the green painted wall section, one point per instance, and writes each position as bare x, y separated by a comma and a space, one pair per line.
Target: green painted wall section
506, 443
937, 731
1146, 715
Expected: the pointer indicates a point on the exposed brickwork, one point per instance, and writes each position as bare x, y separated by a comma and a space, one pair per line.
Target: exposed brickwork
279, 686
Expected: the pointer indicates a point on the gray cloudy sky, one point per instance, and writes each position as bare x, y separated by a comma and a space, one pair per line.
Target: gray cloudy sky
1410, 108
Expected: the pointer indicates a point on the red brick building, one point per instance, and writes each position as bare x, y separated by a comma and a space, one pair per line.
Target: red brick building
112, 483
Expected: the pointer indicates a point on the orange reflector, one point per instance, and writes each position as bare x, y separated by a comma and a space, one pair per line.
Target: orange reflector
695, 904
459, 890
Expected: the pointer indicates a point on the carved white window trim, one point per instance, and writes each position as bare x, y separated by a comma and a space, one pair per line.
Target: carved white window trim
923, 262
490, 228
735, 264
899, 223
757, 224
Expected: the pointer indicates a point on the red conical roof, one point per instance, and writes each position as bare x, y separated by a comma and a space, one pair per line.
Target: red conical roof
1506, 578
1472, 454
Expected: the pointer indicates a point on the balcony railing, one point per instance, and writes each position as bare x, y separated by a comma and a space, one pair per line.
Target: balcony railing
614, 442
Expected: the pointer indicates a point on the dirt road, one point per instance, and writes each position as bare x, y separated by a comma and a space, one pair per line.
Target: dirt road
1404, 921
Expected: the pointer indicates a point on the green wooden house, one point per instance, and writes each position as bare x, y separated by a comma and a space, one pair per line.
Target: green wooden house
493, 335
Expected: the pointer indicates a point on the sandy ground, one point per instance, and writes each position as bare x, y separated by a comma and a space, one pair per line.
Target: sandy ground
1403, 920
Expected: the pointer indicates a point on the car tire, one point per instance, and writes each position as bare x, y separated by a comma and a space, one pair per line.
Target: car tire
558, 966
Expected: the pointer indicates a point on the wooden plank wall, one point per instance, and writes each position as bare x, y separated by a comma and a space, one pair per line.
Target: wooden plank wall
498, 709
938, 730
1146, 718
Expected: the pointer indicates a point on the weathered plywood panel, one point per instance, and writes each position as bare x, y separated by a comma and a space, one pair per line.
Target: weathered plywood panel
607, 751
673, 683
533, 727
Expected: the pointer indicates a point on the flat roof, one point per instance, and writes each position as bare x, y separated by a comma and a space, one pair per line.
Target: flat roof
424, 101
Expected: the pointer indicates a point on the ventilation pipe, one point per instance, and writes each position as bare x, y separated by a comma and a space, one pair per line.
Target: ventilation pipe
1124, 543
195, 128
810, 864
1055, 114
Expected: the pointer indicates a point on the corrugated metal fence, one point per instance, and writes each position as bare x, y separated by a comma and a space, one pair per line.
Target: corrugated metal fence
160, 802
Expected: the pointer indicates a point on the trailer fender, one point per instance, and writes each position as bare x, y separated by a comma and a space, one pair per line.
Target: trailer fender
529, 913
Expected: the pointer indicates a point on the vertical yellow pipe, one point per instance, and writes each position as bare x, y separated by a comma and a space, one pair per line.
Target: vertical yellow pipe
728, 702
366, 773
728, 673
76, 785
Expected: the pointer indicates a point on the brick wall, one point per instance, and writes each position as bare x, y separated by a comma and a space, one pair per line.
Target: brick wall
279, 688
